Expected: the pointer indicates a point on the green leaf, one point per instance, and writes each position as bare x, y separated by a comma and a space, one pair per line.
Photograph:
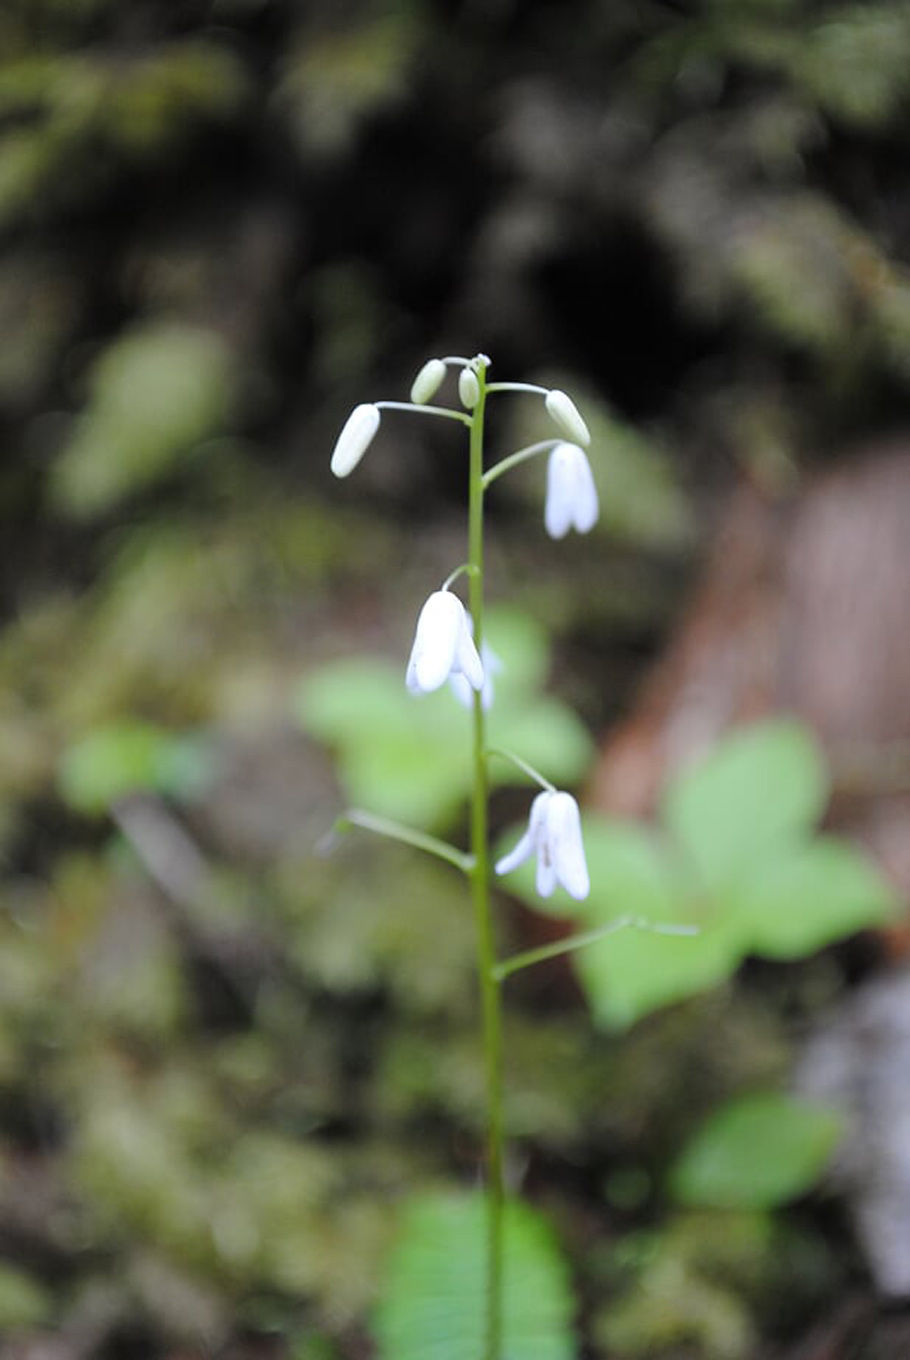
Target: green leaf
631, 973
129, 757
409, 757
758, 791
156, 393
757, 1152
815, 894
433, 1304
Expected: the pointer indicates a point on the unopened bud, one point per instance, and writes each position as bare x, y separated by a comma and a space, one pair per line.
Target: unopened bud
468, 388
428, 381
565, 413
355, 438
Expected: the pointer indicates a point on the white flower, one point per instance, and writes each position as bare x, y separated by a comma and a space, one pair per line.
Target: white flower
428, 381
355, 438
565, 413
443, 646
571, 493
491, 666
554, 835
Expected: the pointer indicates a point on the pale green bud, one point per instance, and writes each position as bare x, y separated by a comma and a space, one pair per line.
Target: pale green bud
468, 388
355, 438
428, 381
565, 413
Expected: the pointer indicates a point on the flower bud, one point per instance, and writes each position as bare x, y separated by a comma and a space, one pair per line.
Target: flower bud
565, 413
428, 381
468, 388
355, 438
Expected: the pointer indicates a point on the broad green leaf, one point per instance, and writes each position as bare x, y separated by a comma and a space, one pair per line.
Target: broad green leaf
815, 894
758, 791
409, 756
630, 973
757, 1152
433, 1303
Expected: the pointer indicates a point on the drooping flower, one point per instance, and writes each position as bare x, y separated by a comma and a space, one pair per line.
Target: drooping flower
443, 646
565, 413
571, 494
428, 381
491, 666
355, 438
554, 836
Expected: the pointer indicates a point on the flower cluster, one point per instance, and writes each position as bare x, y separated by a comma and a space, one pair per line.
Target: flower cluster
444, 648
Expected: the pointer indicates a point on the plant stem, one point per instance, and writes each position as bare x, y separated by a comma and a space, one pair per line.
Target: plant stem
529, 957
395, 831
480, 886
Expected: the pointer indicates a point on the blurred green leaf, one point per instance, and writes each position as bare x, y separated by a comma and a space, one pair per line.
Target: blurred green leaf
156, 393
757, 1152
433, 1301
23, 1301
815, 894
129, 757
759, 790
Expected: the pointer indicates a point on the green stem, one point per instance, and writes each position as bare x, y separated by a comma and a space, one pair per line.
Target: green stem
491, 999
528, 957
423, 410
522, 765
531, 451
396, 831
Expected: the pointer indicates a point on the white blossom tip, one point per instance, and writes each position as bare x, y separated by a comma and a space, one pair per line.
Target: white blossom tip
468, 388
565, 414
443, 646
571, 494
428, 382
355, 438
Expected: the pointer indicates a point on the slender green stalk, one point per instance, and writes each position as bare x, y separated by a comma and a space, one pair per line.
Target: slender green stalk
480, 884
532, 451
528, 957
396, 831
523, 766
423, 410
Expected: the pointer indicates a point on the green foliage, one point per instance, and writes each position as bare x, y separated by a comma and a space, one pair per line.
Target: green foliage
432, 1303
409, 757
23, 1302
114, 761
736, 858
757, 1152
156, 393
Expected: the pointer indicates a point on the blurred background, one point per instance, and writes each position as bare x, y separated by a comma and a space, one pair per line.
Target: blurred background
225, 1059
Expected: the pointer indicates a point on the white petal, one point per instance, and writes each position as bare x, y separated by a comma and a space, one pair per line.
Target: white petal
435, 641
564, 845
586, 507
530, 841
546, 875
463, 691
565, 413
355, 438
558, 510
522, 851
428, 381
467, 659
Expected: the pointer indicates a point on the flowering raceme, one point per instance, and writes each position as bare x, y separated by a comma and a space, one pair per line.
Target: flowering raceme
554, 836
443, 646
571, 494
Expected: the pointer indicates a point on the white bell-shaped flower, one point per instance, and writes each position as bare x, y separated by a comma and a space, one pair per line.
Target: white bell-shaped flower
571, 494
443, 646
554, 836
565, 413
355, 438
460, 687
